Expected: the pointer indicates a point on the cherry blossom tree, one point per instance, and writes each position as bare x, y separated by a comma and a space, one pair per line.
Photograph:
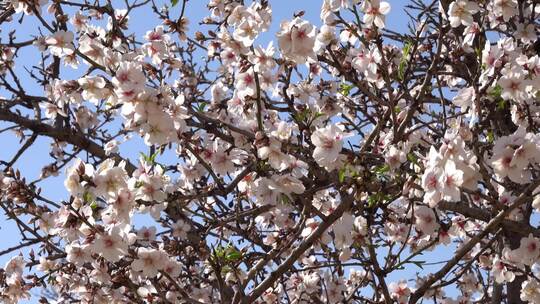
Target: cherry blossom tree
343, 162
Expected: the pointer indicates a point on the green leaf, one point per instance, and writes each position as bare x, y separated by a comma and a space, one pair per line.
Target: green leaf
490, 136
227, 254
347, 171
233, 255
341, 174
87, 197
345, 89
478, 52
404, 59
379, 197
150, 159
143, 156
501, 104
303, 116
372, 200
496, 92
412, 158
381, 170
174, 2
202, 106
317, 115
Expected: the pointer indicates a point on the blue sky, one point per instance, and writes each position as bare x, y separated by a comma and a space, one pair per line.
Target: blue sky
141, 21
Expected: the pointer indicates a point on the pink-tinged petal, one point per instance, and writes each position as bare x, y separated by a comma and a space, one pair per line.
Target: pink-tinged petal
384, 8
368, 19
379, 21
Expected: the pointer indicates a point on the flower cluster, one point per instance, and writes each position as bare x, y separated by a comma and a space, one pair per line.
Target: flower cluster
206, 164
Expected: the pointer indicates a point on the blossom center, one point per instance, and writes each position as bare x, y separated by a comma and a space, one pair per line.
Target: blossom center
108, 243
